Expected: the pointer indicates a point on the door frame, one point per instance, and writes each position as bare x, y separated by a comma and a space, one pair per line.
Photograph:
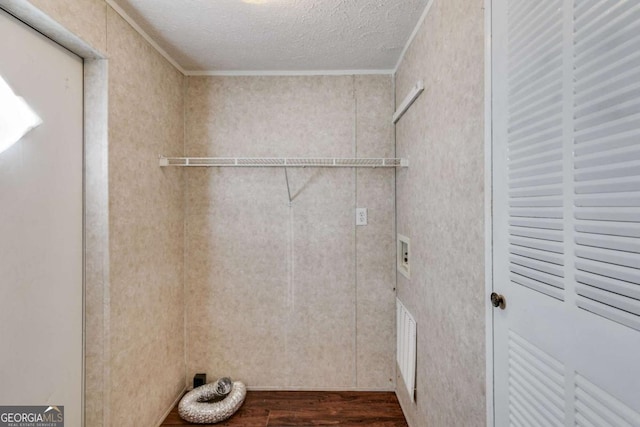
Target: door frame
488, 212
95, 164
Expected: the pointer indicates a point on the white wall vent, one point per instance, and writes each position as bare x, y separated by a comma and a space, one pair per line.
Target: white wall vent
406, 347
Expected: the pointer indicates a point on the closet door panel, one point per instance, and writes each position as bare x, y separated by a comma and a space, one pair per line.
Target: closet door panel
566, 212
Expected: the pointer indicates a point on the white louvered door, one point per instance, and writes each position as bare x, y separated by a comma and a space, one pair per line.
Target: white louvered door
566, 212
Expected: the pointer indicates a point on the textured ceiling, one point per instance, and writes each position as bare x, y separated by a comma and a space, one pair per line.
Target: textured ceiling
270, 35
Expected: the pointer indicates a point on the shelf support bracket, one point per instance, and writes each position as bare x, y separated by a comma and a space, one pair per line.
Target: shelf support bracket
408, 101
286, 177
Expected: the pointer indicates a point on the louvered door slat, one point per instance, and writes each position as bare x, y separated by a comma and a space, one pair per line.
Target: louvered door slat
542, 245
602, 115
536, 229
536, 411
525, 20
536, 384
607, 270
626, 199
537, 180
535, 146
628, 169
529, 103
608, 143
618, 214
597, 29
594, 73
612, 156
531, 150
544, 283
547, 223
607, 130
537, 254
622, 229
549, 156
588, 8
519, 15
516, 419
610, 284
619, 185
618, 244
598, 95
533, 198
618, 58
534, 73
537, 47
600, 407
611, 258
620, 302
536, 171
607, 104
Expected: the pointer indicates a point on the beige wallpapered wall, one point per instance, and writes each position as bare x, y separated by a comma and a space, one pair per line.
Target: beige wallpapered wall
146, 98
290, 297
441, 209
310, 281
281, 285
135, 324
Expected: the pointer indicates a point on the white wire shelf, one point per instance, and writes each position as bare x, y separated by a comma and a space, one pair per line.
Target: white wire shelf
300, 162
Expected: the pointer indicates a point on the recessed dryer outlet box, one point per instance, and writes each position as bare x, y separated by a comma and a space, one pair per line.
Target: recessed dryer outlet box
404, 253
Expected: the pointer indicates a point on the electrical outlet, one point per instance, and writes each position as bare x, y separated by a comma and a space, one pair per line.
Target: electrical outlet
361, 216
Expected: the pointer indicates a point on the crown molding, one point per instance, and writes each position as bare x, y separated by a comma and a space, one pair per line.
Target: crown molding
232, 73
144, 35
424, 15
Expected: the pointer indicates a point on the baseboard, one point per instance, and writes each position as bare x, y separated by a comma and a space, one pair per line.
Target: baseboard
402, 408
401, 389
173, 405
267, 388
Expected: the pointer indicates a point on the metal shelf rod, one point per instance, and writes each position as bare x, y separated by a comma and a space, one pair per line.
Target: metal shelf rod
287, 162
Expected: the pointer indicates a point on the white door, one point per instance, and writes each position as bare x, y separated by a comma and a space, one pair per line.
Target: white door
41, 220
566, 173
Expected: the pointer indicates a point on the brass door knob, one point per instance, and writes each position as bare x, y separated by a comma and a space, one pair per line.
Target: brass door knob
498, 300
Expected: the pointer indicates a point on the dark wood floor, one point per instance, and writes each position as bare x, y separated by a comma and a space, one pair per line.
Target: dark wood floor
306, 408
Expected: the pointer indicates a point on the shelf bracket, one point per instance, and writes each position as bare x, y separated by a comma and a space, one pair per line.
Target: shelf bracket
408, 101
286, 177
